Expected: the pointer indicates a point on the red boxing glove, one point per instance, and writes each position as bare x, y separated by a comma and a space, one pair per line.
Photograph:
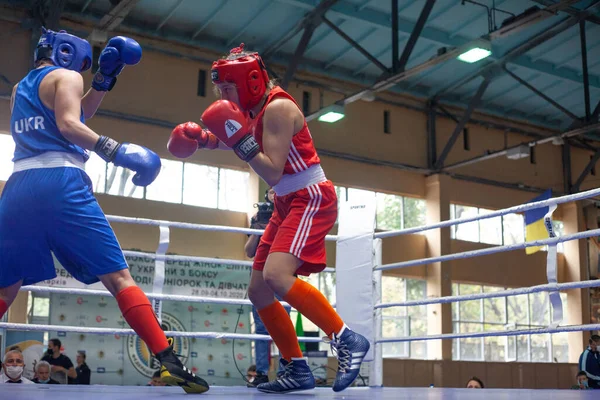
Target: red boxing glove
189, 137
228, 123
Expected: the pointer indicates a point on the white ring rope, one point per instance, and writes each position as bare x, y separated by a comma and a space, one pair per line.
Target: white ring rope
490, 250
510, 210
197, 227
158, 296
131, 332
210, 260
489, 295
515, 332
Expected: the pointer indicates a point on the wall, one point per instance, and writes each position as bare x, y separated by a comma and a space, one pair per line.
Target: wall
456, 374
494, 375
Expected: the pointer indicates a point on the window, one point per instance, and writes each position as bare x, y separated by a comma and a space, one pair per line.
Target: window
468, 231
503, 230
392, 212
7, 150
414, 212
507, 313
200, 185
404, 321
306, 97
96, 170
386, 122
513, 229
201, 83
118, 183
466, 139
490, 230
178, 182
233, 190
168, 186
389, 211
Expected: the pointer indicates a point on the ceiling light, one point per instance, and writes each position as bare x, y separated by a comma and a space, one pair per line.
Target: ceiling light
474, 55
332, 113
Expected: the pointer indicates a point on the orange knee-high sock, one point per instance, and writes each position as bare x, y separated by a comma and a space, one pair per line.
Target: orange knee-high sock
138, 313
280, 327
313, 305
3, 308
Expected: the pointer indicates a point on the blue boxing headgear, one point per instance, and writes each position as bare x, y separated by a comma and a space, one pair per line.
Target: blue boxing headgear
65, 50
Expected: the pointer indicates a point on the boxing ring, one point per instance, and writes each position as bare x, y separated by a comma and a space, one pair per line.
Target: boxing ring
364, 248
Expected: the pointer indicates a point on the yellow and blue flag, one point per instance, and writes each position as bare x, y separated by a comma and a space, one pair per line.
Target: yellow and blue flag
534, 222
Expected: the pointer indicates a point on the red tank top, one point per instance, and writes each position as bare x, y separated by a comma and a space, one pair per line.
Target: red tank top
302, 150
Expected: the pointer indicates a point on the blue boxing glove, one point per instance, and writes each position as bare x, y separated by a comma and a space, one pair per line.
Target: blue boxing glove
119, 51
131, 156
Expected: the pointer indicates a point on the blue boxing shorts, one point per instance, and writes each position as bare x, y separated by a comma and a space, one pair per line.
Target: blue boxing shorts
53, 210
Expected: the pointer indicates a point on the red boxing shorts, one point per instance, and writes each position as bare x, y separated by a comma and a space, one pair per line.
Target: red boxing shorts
299, 224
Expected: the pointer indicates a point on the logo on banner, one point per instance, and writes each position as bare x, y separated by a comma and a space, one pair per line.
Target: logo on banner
141, 357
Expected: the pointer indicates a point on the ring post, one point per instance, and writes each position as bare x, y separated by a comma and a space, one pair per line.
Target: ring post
376, 367
354, 269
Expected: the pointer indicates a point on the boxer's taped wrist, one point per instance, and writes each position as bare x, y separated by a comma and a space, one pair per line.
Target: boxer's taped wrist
103, 83
247, 148
106, 148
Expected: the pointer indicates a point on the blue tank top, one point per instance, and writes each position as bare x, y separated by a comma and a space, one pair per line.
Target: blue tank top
33, 125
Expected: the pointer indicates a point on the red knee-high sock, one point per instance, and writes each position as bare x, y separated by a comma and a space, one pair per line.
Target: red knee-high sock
3, 308
314, 306
138, 313
280, 327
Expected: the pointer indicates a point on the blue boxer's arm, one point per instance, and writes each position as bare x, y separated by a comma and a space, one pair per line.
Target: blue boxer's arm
67, 109
119, 51
90, 102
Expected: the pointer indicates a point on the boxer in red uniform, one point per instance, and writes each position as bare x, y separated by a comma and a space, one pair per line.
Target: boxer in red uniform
265, 127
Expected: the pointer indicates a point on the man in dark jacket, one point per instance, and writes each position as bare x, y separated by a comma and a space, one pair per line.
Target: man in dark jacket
83, 371
589, 362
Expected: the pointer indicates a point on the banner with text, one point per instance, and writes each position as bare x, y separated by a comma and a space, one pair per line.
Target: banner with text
116, 360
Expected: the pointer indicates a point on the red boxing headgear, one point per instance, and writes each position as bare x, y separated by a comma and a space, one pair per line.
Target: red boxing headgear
247, 72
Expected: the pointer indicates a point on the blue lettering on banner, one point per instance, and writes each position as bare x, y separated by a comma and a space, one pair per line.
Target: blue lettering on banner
61, 334
194, 354
100, 370
211, 372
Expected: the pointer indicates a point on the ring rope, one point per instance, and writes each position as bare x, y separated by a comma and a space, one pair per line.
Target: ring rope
510, 210
515, 332
210, 260
502, 293
490, 250
131, 332
197, 227
158, 296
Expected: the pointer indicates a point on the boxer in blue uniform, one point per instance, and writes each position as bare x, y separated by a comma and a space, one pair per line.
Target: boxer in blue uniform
48, 206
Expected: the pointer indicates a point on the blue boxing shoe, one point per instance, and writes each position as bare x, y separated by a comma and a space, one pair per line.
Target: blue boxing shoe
351, 348
297, 376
